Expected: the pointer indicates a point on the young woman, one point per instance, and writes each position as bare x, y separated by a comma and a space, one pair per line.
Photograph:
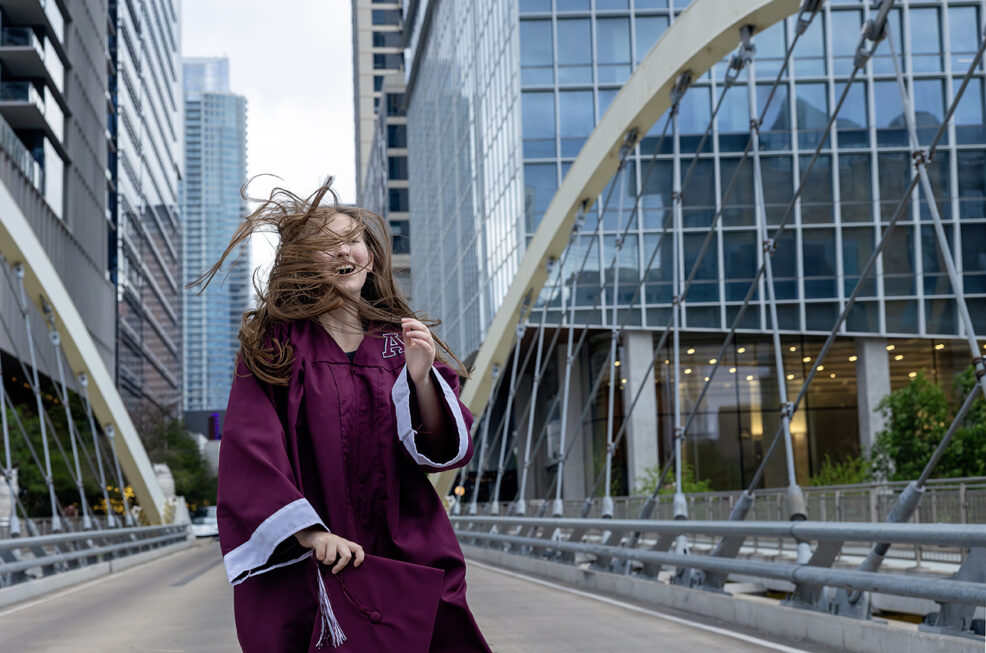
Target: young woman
329, 527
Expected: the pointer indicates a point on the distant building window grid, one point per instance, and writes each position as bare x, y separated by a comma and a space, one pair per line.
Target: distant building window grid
571, 128
386, 16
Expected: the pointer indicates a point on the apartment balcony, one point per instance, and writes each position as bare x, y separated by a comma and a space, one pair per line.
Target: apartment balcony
40, 13
23, 54
23, 106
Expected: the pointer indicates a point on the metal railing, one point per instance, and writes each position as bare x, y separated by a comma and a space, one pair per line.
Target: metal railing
642, 548
947, 500
25, 558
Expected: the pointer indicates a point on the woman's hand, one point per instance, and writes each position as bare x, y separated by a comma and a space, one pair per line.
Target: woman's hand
419, 349
329, 547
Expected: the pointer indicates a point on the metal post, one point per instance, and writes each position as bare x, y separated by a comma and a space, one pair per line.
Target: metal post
614, 336
111, 521
538, 360
56, 341
56, 522
796, 506
680, 504
15, 525
110, 433
494, 507
558, 507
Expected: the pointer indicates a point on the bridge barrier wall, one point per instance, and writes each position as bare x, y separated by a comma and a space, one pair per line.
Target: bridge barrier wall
21, 592
761, 615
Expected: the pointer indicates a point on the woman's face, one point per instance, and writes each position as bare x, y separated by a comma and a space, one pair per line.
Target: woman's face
350, 261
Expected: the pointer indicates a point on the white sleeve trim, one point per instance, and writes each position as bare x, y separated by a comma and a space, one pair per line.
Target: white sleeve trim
401, 396
246, 559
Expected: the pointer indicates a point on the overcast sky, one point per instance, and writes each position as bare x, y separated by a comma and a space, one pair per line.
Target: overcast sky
292, 60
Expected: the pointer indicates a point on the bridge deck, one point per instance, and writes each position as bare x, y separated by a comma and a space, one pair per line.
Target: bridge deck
182, 603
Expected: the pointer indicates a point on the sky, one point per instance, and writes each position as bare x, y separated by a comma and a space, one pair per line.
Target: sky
292, 60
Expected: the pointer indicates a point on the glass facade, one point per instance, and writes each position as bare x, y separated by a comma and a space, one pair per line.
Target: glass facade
570, 60
464, 162
849, 195
145, 87
212, 209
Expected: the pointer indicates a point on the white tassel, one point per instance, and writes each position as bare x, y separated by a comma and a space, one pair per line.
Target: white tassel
330, 626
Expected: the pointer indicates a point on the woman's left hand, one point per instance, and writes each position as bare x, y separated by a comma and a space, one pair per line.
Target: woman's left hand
419, 349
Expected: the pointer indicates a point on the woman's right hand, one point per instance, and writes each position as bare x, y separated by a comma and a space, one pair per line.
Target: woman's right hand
330, 548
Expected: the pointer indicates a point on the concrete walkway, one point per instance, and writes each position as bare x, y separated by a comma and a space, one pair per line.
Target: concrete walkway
182, 602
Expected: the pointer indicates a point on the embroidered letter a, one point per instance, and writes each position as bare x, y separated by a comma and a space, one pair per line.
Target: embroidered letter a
392, 345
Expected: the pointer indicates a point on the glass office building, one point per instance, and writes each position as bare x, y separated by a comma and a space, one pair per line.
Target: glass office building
212, 209
142, 183
504, 94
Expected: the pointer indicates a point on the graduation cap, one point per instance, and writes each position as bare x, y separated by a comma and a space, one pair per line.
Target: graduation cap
382, 605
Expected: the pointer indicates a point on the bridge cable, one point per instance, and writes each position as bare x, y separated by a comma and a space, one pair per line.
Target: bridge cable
28, 378
44, 417
69, 421
907, 501
83, 382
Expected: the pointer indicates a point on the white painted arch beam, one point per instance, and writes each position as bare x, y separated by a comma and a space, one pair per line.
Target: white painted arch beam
705, 33
19, 244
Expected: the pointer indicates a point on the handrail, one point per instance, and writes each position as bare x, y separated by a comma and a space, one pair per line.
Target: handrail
617, 546
59, 552
969, 535
952, 591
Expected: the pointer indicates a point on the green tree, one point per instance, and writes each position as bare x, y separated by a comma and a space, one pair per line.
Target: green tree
647, 482
167, 441
30, 477
849, 471
918, 416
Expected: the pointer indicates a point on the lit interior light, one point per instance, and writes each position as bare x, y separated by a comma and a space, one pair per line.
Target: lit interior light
749, 377
806, 359
732, 370
832, 375
616, 363
623, 380
852, 359
667, 362
821, 367
890, 347
706, 379
792, 348
912, 374
741, 350
790, 377
712, 361
688, 370
940, 346
899, 357
691, 350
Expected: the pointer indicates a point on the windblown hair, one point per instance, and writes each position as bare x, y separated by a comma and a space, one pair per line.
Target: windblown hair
301, 286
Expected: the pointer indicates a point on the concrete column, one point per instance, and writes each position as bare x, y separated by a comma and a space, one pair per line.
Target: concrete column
641, 436
872, 385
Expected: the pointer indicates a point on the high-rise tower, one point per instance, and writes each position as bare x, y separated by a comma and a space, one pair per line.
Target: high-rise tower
212, 209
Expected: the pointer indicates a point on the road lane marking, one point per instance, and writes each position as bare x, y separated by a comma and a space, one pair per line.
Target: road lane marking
629, 606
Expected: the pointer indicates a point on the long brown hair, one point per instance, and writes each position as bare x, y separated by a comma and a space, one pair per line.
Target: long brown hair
301, 287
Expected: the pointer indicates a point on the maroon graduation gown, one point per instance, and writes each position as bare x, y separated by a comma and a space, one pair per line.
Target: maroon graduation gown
337, 448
